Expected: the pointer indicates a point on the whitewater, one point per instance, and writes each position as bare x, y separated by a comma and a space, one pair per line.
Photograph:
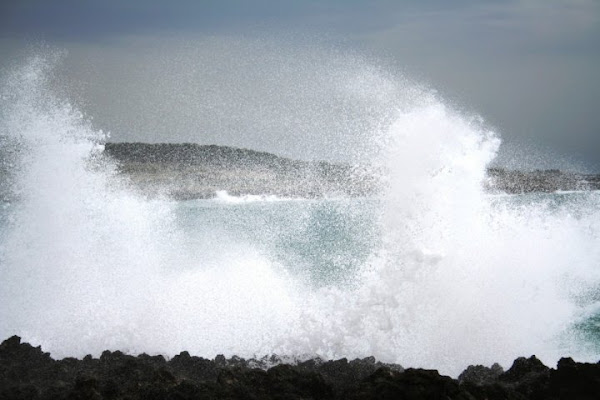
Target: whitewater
433, 273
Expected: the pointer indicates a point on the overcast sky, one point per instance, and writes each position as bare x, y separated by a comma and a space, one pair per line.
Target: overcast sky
529, 68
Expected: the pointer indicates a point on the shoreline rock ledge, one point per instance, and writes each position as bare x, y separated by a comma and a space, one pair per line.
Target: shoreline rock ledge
26, 372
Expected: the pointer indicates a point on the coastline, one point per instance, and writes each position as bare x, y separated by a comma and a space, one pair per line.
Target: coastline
187, 171
184, 171
26, 372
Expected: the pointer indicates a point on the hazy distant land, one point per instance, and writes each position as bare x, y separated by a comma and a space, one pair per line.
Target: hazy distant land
193, 171
189, 171
545, 181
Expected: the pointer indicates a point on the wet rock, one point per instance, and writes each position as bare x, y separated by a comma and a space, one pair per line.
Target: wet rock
26, 372
529, 377
85, 388
524, 368
480, 375
194, 368
411, 384
573, 380
298, 384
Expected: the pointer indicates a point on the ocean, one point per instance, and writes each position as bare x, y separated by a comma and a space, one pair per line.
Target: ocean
433, 272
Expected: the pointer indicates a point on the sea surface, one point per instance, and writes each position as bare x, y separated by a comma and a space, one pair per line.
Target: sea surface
255, 266
434, 272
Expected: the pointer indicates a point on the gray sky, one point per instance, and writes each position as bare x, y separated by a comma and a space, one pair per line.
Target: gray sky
529, 68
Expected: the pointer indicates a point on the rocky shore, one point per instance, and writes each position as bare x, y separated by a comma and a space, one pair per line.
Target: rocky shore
26, 372
193, 171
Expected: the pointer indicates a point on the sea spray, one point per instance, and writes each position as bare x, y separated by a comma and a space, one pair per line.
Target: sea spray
87, 265
63, 259
451, 275
461, 277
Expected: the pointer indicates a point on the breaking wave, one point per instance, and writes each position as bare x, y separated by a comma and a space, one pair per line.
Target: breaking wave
449, 276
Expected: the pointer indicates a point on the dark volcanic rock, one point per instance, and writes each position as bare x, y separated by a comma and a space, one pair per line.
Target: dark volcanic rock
27, 372
525, 368
411, 384
529, 377
573, 380
480, 375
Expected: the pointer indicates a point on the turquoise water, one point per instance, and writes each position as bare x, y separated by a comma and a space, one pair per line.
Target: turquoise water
326, 242
321, 241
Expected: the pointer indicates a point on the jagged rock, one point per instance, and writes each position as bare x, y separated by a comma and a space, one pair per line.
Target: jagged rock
480, 375
194, 368
529, 377
573, 380
524, 368
27, 372
411, 384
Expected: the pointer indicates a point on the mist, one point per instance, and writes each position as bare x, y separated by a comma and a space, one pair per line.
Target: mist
528, 69
299, 99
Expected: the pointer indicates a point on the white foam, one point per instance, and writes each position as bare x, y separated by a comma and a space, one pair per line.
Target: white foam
459, 278
223, 196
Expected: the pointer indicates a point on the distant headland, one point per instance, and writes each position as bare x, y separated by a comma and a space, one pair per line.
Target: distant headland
194, 171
